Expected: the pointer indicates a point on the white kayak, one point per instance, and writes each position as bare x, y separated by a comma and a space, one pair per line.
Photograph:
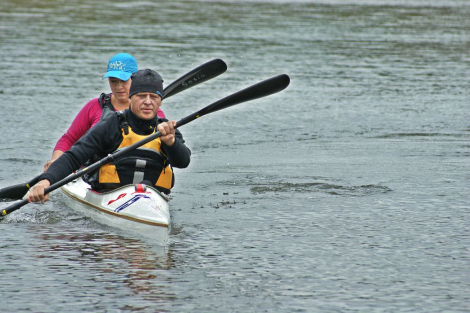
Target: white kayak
139, 208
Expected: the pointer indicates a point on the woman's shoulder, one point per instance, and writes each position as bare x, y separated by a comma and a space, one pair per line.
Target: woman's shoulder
90, 108
93, 111
93, 104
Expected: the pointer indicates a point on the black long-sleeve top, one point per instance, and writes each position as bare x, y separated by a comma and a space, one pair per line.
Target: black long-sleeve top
105, 137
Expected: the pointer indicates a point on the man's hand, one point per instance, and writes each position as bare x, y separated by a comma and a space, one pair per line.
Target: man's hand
168, 132
36, 193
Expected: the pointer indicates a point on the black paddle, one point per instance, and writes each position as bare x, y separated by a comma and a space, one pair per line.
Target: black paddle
262, 89
198, 75
18, 191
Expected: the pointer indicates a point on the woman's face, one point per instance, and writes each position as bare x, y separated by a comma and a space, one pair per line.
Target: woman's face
120, 88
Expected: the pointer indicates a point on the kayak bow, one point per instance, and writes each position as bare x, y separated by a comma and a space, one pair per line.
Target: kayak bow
138, 208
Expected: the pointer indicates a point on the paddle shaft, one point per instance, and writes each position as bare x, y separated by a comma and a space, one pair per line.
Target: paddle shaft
262, 89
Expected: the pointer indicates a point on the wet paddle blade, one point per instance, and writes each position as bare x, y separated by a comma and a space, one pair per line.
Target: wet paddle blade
18, 191
14, 192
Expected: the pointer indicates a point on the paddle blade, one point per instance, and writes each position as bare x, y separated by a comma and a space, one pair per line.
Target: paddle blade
199, 75
259, 90
17, 192
14, 192
265, 88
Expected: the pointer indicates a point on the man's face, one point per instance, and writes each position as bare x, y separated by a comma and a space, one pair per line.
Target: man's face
145, 105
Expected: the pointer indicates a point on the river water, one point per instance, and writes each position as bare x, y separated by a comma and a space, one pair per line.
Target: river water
347, 192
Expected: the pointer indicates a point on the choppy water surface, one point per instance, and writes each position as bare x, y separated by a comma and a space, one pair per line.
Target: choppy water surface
347, 192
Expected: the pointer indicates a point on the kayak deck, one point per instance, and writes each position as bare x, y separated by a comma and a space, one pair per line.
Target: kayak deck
137, 208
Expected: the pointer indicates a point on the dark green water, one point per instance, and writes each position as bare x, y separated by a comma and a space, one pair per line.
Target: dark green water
347, 192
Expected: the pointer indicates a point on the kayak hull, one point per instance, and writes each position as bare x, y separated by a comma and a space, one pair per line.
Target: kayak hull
138, 209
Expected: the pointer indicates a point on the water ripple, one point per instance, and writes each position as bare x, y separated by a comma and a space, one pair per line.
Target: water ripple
333, 189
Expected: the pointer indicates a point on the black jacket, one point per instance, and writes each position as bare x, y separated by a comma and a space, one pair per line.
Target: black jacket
105, 137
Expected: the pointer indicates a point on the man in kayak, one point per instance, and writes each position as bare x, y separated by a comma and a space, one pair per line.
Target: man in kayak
150, 163
120, 68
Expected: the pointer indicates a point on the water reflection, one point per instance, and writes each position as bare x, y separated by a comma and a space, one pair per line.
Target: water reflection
100, 257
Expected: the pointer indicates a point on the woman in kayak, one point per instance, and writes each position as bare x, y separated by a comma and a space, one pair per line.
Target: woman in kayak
120, 68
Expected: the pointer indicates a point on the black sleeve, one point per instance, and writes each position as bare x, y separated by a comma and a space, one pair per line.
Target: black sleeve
101, 139
178, 154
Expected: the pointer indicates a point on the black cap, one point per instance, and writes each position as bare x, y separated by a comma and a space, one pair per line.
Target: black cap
146, 81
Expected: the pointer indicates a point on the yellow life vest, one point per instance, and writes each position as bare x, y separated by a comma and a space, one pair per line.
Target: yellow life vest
144, 163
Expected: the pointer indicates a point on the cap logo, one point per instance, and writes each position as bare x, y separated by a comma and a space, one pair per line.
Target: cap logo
117, 65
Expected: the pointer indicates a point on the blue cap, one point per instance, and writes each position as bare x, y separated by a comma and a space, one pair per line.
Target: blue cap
121, 66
